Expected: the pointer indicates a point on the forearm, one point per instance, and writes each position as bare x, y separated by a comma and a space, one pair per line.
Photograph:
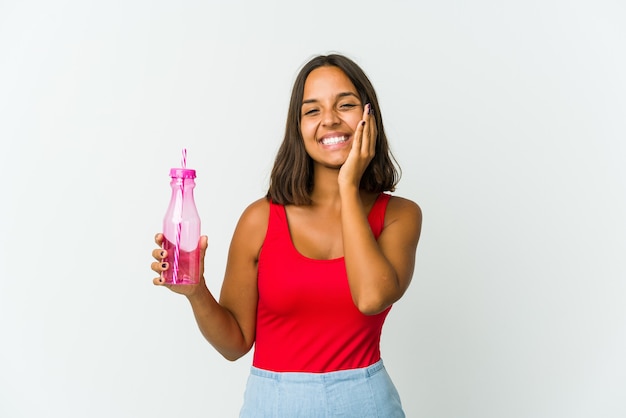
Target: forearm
373, 281
218, 325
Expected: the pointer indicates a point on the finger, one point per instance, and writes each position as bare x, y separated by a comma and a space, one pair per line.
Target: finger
159, 267
158, 281
365, 141
366, 110
366, 144
203, 244
159, 254
158, 238
373, 130
358, 137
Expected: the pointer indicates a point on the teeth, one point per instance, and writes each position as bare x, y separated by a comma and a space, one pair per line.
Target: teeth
334, 140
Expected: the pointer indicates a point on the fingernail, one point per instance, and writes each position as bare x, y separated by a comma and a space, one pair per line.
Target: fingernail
162, 254
363, 123
164, 265
369, 108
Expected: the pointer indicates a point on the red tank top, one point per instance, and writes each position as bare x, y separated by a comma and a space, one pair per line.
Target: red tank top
306, 319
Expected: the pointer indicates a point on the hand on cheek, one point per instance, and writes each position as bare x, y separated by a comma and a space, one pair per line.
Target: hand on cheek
363, 150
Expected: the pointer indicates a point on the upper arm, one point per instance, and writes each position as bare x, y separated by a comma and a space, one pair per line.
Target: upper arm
399, 238
239, 293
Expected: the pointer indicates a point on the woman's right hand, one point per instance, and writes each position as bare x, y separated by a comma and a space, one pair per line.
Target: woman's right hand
159, 266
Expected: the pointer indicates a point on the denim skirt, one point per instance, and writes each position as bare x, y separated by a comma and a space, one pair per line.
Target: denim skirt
359, 393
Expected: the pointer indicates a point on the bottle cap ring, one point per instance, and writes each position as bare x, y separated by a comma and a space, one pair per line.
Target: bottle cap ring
182, 173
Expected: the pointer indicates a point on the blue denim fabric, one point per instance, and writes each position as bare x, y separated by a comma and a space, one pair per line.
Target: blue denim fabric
359, 393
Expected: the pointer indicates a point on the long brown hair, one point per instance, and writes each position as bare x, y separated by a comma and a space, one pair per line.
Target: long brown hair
291, 180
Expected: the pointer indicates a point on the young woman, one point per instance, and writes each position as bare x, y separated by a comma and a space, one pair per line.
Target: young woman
315, 266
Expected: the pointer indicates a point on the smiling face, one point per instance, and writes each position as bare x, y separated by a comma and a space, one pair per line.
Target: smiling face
331, 111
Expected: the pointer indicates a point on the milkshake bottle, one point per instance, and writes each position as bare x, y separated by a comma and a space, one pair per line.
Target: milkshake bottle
181, 229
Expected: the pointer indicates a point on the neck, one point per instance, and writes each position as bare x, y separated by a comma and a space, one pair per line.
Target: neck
325, 186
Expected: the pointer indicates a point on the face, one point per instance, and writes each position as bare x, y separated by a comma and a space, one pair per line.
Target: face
331, 111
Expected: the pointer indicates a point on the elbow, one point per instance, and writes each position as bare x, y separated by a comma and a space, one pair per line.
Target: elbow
372, 302
371, 310
371, 306
234, 354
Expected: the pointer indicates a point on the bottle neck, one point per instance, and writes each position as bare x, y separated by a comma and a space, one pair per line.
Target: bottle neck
178, 182
182, 187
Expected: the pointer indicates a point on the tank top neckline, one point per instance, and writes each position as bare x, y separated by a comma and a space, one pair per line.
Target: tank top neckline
293, 248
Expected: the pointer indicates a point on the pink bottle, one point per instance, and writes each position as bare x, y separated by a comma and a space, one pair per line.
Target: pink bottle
181, 228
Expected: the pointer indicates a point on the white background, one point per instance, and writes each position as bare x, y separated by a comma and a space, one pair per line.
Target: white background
508, 119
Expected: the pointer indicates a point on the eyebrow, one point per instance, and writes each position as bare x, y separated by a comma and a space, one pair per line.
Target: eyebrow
339, 96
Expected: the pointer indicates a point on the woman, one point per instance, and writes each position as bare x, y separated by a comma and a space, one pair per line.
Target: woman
315, 266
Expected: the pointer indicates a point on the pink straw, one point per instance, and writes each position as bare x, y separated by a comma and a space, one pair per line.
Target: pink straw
177, 252
179, 226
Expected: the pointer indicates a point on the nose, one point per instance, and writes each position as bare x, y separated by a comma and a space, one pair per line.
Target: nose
330, 117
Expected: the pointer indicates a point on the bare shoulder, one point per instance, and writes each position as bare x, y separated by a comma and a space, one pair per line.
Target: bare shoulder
405, 212
402, 207
252, 225
257, 212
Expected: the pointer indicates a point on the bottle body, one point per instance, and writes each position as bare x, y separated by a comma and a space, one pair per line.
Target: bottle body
181, 230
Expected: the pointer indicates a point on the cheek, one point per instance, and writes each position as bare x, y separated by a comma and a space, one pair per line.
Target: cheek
353, 118
307, 130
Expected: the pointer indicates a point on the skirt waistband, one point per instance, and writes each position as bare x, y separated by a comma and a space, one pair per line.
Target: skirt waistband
339, 375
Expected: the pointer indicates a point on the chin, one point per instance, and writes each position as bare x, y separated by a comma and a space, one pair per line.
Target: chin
335, 166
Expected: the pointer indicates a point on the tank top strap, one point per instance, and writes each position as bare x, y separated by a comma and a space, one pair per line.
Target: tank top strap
277, 223
376, 216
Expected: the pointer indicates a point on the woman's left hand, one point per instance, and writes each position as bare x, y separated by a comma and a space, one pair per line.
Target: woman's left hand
362, 152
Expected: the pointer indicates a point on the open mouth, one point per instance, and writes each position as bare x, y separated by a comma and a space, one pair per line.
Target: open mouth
332, 140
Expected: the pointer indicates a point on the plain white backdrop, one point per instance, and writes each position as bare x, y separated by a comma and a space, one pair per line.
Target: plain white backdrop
507, 118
